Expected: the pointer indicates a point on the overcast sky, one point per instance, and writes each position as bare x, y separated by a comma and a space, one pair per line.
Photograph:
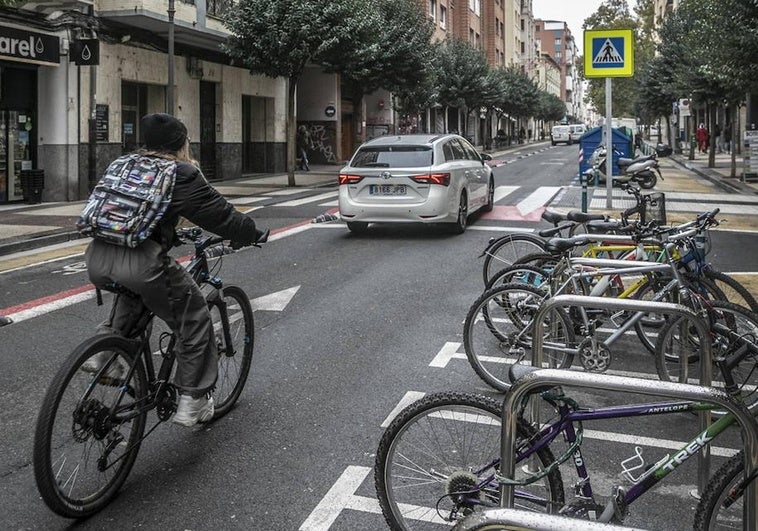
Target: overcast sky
573, 12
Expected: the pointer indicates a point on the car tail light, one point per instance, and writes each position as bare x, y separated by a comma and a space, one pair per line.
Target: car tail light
442, 179
346, 178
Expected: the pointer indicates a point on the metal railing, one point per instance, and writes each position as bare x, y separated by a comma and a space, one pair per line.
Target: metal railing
553, 377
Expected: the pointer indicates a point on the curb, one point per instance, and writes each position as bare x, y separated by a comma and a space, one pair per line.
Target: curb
40, 241
712, 176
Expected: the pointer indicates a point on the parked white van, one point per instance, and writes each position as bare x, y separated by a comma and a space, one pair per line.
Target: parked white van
561, 134
577, 130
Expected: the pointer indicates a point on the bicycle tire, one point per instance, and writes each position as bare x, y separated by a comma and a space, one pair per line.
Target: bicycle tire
649, 326
525, 274
507, 249
710, 515
234, 365
66, 433
731, 288
675, 342
496, 333
470, 426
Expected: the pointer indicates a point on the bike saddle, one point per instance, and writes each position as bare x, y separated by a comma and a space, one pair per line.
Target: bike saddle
599, 226
553, 217
549, 233
582, 217
561, 245
115, 287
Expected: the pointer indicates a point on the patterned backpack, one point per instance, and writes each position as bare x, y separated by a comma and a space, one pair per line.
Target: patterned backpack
129, 200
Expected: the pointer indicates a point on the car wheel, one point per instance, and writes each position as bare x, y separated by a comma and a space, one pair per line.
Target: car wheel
490, 197
357, 227
459, 227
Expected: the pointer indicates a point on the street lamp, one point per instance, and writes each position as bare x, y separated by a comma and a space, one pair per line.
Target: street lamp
170, 93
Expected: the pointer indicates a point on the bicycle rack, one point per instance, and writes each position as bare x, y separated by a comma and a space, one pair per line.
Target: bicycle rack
529, 520
702, 393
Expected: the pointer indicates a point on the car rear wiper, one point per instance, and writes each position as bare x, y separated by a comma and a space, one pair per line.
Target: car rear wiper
376, 165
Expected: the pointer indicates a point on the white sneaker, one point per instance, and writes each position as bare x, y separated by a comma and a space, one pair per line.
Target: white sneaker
116, 370
190, 410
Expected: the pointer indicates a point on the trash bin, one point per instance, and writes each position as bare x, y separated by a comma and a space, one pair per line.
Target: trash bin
32, 184
592, 139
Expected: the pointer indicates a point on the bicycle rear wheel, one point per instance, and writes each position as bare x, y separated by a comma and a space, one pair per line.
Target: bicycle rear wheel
90, 427
731, 327
235, 357
731, 288
437, 462
711, 514
498, 333
505, 251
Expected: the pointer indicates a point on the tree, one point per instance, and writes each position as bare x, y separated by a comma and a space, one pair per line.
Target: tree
615, 14
462, 76
395, 55
278, 39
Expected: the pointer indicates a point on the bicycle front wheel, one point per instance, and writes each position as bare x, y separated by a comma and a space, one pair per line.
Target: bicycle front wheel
498, 333
231, 312
438, 459
507, 250
711, 514
90, 427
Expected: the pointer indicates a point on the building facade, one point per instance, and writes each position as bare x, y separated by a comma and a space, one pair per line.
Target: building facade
555, 38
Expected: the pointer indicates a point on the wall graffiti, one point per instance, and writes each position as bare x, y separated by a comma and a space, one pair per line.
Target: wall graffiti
323, 142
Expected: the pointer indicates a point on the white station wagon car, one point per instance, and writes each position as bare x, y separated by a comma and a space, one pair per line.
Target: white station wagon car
415, 178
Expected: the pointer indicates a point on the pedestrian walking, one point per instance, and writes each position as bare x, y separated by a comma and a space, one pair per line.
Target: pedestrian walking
304, 143
727, 134
717, 134
701, 135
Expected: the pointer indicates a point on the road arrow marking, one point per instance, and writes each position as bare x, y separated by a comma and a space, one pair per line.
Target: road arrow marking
274, 302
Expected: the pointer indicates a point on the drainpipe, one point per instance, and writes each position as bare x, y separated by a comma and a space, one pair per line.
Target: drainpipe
170, 91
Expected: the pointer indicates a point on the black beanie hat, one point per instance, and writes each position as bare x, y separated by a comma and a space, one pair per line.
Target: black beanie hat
163, 132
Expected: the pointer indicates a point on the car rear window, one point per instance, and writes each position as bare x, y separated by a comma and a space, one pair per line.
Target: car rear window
392, 157
561, 129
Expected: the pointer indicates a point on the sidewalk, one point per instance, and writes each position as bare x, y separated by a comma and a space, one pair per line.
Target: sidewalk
24, 227
720, 174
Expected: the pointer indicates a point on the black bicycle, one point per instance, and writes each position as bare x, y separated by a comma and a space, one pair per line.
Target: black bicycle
91, 424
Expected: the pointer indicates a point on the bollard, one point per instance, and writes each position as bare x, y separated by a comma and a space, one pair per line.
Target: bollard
583, 180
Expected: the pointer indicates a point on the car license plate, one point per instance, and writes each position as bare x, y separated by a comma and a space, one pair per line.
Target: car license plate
386, 189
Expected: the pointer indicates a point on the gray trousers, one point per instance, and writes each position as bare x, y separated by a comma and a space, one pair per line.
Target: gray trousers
142, 271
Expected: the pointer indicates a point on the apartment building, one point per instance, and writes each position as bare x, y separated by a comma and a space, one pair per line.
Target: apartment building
104, 63
555, 38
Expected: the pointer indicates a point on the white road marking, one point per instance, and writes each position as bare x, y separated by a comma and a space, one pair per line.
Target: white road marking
504, 191
288, 191
446, 353
499, 229
246, 200
536, 199
409, 398
305, 200
337, 499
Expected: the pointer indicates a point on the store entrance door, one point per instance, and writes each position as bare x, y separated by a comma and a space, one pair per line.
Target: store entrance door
16, 151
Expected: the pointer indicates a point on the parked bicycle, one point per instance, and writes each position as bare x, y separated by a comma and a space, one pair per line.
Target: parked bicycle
498, 326
439, 460
91, 426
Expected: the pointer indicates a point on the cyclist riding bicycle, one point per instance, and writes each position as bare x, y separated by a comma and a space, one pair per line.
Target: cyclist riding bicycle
162, 284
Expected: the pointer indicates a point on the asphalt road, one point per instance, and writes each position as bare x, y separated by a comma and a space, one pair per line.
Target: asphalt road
364, 320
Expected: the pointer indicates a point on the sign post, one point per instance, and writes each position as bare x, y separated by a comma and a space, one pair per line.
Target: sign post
609, 54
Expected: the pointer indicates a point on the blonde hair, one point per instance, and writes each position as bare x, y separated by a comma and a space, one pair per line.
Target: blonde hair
183, 155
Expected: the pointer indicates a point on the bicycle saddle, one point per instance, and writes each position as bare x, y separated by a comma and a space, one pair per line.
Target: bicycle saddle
561, 245
582, 217
601, 227
115, 287
553, 217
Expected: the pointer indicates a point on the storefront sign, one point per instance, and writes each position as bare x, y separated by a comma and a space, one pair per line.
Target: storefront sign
101, 123
750, 151
85, 52
29, 46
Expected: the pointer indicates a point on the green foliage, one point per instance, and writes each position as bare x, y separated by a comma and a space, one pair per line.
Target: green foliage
280, 38
462, 75
549, 107
513, 92
615, 14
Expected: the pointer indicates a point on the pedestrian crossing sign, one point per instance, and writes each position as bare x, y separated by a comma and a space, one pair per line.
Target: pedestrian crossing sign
609, 53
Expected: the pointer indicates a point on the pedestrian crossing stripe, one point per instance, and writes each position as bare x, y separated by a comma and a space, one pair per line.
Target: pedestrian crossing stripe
609, 53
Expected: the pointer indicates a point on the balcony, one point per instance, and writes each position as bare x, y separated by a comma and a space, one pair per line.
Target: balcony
197, 23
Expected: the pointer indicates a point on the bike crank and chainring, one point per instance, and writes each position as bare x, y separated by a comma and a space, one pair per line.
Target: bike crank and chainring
594, 355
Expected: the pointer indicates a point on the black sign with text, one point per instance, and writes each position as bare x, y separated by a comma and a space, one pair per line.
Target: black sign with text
29, 46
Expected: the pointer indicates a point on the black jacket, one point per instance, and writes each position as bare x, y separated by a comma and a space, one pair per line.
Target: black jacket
200, 203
